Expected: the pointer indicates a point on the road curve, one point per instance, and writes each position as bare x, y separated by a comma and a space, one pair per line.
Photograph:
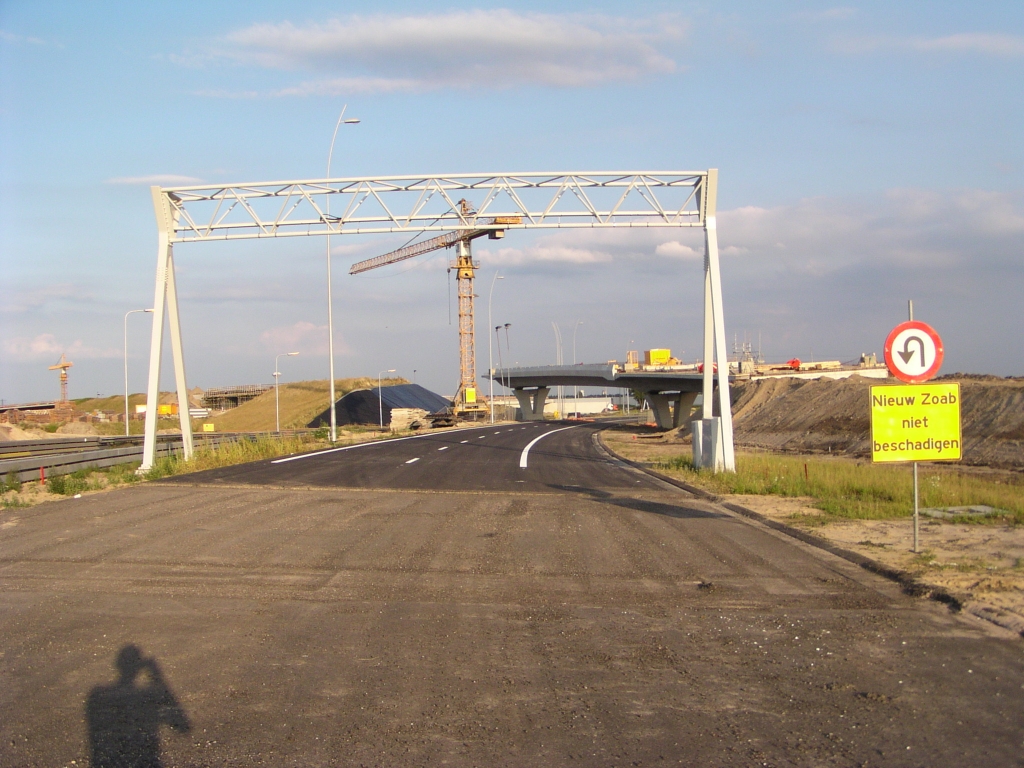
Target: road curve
547, 457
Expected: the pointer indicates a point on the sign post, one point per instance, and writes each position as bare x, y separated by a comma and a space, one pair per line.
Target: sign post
916, 421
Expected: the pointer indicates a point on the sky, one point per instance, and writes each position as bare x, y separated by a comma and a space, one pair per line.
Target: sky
869, 153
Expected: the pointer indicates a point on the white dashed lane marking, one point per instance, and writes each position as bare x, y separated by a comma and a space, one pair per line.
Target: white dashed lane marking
464, 441
410, 461
445, 448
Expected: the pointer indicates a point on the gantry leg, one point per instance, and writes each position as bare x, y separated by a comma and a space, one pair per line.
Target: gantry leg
712, 436
165, 299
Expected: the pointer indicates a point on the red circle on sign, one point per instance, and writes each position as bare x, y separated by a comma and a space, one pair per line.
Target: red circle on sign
896, 360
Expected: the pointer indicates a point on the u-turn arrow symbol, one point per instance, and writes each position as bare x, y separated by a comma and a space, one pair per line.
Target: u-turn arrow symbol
906, 353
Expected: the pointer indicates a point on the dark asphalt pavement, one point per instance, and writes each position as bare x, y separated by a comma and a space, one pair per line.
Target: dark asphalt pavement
431, 602
475, 459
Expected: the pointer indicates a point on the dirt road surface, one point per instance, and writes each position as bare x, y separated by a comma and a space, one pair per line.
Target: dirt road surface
357, 608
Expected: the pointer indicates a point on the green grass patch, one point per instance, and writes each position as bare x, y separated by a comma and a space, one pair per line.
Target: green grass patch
231, 453
854, 490
93, 479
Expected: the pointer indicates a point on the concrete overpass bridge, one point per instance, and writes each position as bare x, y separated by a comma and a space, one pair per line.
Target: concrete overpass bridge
661, 388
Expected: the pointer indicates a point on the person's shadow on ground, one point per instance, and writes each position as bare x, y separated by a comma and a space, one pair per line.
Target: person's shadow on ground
124, 718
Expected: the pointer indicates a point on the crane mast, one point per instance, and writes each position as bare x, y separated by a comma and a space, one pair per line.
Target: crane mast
465, 403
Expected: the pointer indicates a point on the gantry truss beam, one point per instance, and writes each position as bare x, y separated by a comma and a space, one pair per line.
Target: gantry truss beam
378, 205
403, 204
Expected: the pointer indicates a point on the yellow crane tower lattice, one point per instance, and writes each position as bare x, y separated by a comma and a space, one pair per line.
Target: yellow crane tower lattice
62, 366
466, 402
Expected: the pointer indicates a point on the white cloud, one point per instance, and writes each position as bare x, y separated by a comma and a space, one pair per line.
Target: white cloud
541, 254
22, 299
676, 250
302, 337
460, 49
829, 14
10, 37
159, 179
985, 43
45, 345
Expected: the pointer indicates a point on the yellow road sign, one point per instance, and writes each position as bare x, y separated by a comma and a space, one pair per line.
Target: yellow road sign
916, 422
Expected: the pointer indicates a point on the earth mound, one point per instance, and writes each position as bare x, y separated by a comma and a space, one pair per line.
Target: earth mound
832, 416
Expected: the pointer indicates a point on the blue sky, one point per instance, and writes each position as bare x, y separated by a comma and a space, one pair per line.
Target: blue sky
869, 153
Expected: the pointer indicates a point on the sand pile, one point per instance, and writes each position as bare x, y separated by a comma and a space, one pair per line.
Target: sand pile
833, 416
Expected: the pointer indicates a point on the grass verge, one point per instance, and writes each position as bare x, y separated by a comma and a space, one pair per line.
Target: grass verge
845, 489
237, 452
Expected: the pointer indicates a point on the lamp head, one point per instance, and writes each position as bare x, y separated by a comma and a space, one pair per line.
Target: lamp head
292, 354
352, 121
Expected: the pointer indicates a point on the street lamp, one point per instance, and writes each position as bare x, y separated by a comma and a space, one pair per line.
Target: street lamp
501, 365
558, 361
575, 390
490, 355
277, 377
330, 303
129, 312
380, 397
508, 349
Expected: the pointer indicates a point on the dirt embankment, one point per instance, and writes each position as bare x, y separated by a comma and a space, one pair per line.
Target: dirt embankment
833, 416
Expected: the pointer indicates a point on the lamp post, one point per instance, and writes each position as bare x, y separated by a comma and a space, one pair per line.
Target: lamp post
575, 390
380, 397
277, 377
129, 312
501, 365
490, 354
558, 361
330, 303
508, 349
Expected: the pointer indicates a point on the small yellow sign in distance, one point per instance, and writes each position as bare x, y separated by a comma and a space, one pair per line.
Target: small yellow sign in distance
916, 422
208, 428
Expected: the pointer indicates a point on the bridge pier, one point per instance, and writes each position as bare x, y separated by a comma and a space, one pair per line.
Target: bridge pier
681, 402
532, 407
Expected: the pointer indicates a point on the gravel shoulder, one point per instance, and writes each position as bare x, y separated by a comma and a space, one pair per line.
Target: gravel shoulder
981, 565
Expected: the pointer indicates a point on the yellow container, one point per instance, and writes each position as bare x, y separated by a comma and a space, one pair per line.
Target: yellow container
167, 410
657, 356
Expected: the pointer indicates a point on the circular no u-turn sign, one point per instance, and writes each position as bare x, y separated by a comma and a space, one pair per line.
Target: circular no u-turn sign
913, 352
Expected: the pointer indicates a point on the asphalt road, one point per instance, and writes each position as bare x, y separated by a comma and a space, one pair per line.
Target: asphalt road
432, 602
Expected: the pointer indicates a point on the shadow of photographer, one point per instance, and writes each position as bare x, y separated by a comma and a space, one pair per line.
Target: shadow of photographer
124, 718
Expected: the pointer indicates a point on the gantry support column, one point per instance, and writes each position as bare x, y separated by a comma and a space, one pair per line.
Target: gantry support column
712, 436
165, 298
532, 408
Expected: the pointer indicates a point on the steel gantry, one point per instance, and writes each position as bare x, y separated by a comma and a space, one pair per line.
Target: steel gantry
420, 204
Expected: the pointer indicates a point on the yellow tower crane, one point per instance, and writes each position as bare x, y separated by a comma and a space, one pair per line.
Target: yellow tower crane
466, 403
62, 366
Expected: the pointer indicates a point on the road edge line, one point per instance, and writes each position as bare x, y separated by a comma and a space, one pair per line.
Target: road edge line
909, 584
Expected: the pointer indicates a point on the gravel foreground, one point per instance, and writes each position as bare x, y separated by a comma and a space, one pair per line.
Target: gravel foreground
611, 627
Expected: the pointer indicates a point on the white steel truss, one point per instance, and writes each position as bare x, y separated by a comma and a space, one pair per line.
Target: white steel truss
430, 203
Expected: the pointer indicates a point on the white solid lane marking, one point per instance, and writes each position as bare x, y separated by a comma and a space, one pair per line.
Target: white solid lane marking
412, 461
445, 448
526, 450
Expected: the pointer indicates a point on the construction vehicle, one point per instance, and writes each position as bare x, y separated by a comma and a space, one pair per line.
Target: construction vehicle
467, 403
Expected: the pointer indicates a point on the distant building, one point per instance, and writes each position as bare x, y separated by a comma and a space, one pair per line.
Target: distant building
362, 406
